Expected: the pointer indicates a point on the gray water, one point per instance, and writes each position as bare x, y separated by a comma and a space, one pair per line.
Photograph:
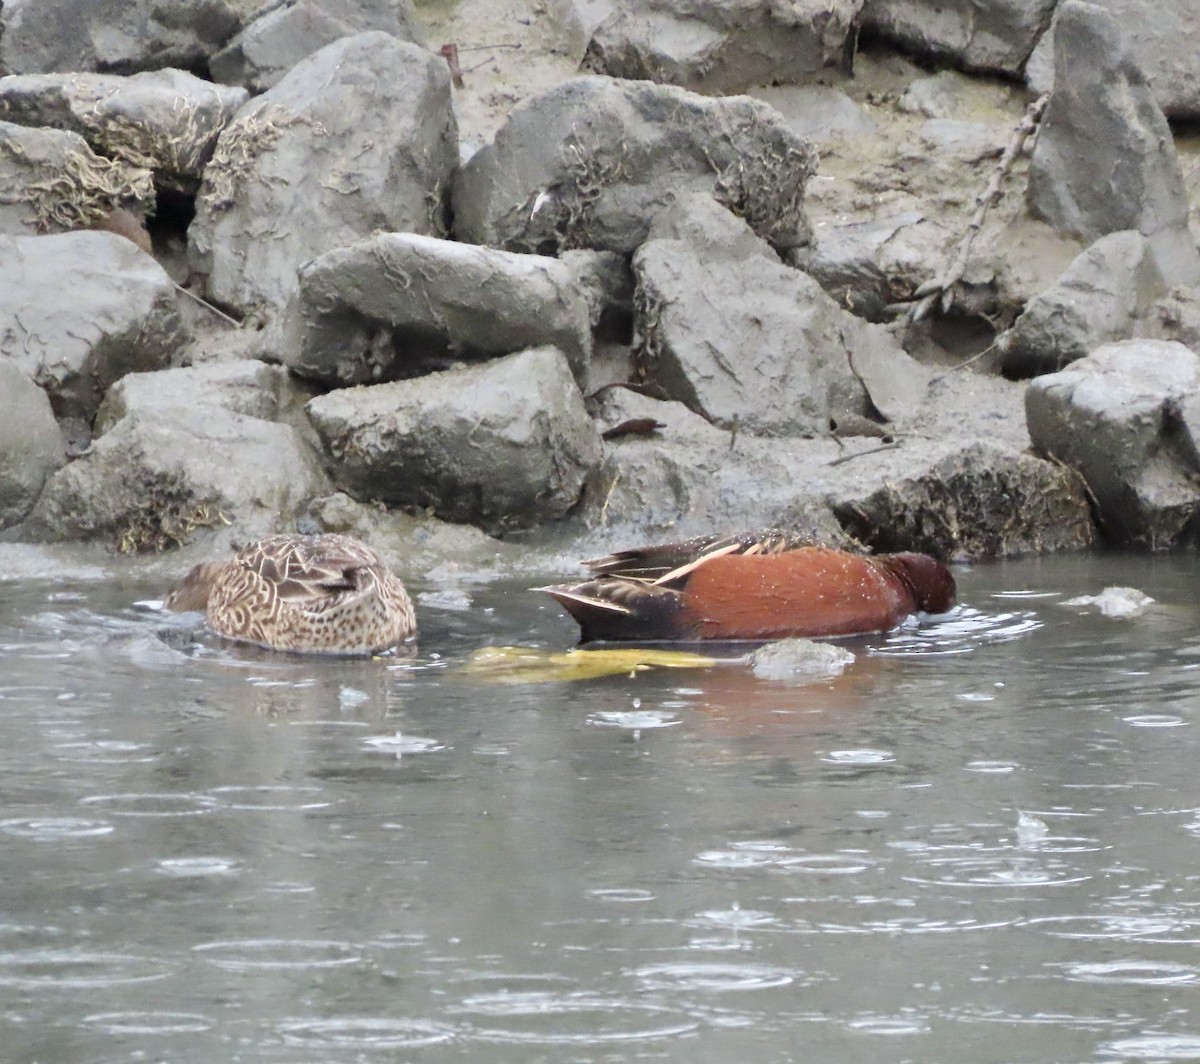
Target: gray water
978, 844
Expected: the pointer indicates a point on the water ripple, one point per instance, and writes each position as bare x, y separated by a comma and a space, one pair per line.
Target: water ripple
570, 1019
1154, 1047
69, 969
398, 745
777, 857
152, 804
685, 975
1132, 973
267, 798
148, 1022
1010, 871
253, 954
55, 828
366, 1032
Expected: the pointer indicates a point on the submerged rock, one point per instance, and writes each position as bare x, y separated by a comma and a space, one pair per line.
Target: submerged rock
1128, 418
590, 162
120, 316
359, 136
504, 444
399, 304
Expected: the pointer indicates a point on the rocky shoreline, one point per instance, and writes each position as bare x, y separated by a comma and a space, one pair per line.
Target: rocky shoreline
655, 271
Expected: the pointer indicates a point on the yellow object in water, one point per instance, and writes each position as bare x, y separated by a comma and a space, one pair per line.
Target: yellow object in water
530, 665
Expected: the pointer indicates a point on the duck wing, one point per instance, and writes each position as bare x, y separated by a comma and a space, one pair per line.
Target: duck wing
309, 569
666, 564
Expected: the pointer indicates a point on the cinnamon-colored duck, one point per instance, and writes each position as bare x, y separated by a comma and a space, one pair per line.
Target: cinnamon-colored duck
757, 585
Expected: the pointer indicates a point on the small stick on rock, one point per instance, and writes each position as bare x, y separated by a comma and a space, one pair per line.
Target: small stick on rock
449, 52
942, 287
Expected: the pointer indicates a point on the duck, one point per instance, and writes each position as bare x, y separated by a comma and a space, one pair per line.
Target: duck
761, 585
309, 594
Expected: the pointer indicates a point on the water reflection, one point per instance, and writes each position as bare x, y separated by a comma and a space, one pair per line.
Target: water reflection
221, 852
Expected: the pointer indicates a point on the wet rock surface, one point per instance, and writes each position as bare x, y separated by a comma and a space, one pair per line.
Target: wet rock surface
454, 298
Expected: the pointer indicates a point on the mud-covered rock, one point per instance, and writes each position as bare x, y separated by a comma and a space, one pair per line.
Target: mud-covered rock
1176, 316
282, 33
1128, 418
177, 460
78, 311
606, 283
51, 181
1096, 301
399, 304
590, 162
165, 121
1162, 38
358, 137
504, 444
117, 36
718, 47
1104, 159
981, 499
867, 266
750, 342
997, 36
31, 447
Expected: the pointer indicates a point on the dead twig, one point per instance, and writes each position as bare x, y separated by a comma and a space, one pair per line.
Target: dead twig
862, 454
942, 287
209, 307
449, 52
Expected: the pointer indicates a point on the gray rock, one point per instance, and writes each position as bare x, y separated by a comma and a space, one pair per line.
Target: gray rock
166, 121
399, 304
358, 137
119, 317
605, 281
51, 181
1104, 159
590, 162
1174, 317
31, 447
1162, 38
964, 500
816, 112
749, 342
1097, 300
506, 444
996, 36
866, 266
700, 220
282, 33
718, 47
167, 469
118, 36
1128, 418
965, 497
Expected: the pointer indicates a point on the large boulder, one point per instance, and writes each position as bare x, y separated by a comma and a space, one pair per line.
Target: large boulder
166, 121
1104, 160
118, 36
718, 47
1128, 418
749, 342
996, 36
589, 163
51, 181
358, 137
1097, 300
970, 496
399, 304
282, 33
1162, 38
505, 444
80, 310
31, 447
178, 459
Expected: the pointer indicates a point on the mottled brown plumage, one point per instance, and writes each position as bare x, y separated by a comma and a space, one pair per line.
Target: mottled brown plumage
323, 594
757, 585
